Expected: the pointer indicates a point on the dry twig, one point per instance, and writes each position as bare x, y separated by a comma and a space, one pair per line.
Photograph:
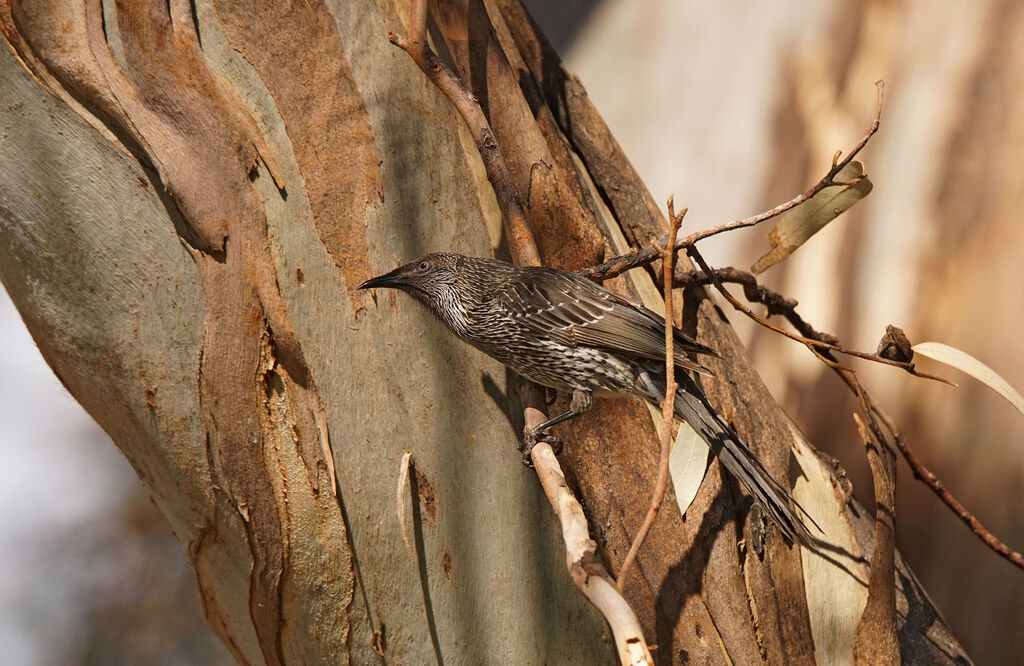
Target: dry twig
927, 477
585, 567
668, 255
645, 256
778, 304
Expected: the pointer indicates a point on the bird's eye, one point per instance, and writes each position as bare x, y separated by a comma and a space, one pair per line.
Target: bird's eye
424, 266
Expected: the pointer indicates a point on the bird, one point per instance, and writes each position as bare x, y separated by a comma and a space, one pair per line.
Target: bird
566, 332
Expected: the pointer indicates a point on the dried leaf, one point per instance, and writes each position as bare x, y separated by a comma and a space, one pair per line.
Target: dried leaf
961, 360
800, 223
687, 463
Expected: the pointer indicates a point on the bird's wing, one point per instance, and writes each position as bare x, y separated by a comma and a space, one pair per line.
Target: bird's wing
574, 311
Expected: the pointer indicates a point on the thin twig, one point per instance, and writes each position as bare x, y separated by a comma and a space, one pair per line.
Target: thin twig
877, 417
644, 256
777, 304
667, 406
926, 476
585, 567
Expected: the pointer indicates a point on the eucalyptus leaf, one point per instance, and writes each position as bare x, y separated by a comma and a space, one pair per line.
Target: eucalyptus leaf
961, 360
687, 463
799, 224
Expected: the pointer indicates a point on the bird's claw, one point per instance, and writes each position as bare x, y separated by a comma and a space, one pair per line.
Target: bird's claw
530, 439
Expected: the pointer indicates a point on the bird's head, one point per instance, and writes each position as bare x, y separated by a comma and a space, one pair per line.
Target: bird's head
425, 278
432, 280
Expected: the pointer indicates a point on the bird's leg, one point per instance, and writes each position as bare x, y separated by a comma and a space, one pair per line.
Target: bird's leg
580, 403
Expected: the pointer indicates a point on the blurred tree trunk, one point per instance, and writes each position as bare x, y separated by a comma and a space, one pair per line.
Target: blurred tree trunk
191, 193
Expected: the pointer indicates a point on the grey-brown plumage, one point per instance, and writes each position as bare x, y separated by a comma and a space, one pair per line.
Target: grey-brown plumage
565, 332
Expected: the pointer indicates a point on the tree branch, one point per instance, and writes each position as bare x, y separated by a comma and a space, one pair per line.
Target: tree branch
517, 228
587, 571
778, 304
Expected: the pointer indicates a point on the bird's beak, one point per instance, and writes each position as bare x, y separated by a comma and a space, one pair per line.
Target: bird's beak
392, 280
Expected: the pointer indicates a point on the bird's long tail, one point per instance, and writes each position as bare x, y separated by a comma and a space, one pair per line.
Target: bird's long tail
691, 406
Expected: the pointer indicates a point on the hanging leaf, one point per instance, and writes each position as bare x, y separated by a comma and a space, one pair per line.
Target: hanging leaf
797, 225
961, 360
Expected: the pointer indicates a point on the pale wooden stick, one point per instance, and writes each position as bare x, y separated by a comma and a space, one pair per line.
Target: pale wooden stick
585, 567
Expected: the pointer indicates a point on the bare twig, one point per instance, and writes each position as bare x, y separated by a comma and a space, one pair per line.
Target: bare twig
644, 256
926, 476
585, 567
778, 304
872, 410
876, 417
668, 255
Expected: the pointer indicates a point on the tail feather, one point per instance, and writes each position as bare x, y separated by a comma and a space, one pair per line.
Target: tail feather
692, 407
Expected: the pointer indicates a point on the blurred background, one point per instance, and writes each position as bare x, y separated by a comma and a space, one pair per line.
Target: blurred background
732, 107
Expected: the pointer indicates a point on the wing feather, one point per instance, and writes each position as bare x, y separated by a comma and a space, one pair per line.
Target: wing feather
574, 311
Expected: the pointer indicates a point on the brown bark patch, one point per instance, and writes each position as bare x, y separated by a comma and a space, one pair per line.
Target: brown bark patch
325, 117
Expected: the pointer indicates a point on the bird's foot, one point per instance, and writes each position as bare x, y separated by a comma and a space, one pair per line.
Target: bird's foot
531, 436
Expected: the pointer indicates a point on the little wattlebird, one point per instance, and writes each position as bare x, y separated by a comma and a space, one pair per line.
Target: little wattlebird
563, 331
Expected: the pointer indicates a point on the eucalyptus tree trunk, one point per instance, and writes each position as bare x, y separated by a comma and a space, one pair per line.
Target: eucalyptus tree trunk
190, 194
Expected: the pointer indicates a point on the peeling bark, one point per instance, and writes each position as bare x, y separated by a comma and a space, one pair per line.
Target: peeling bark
191, 196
